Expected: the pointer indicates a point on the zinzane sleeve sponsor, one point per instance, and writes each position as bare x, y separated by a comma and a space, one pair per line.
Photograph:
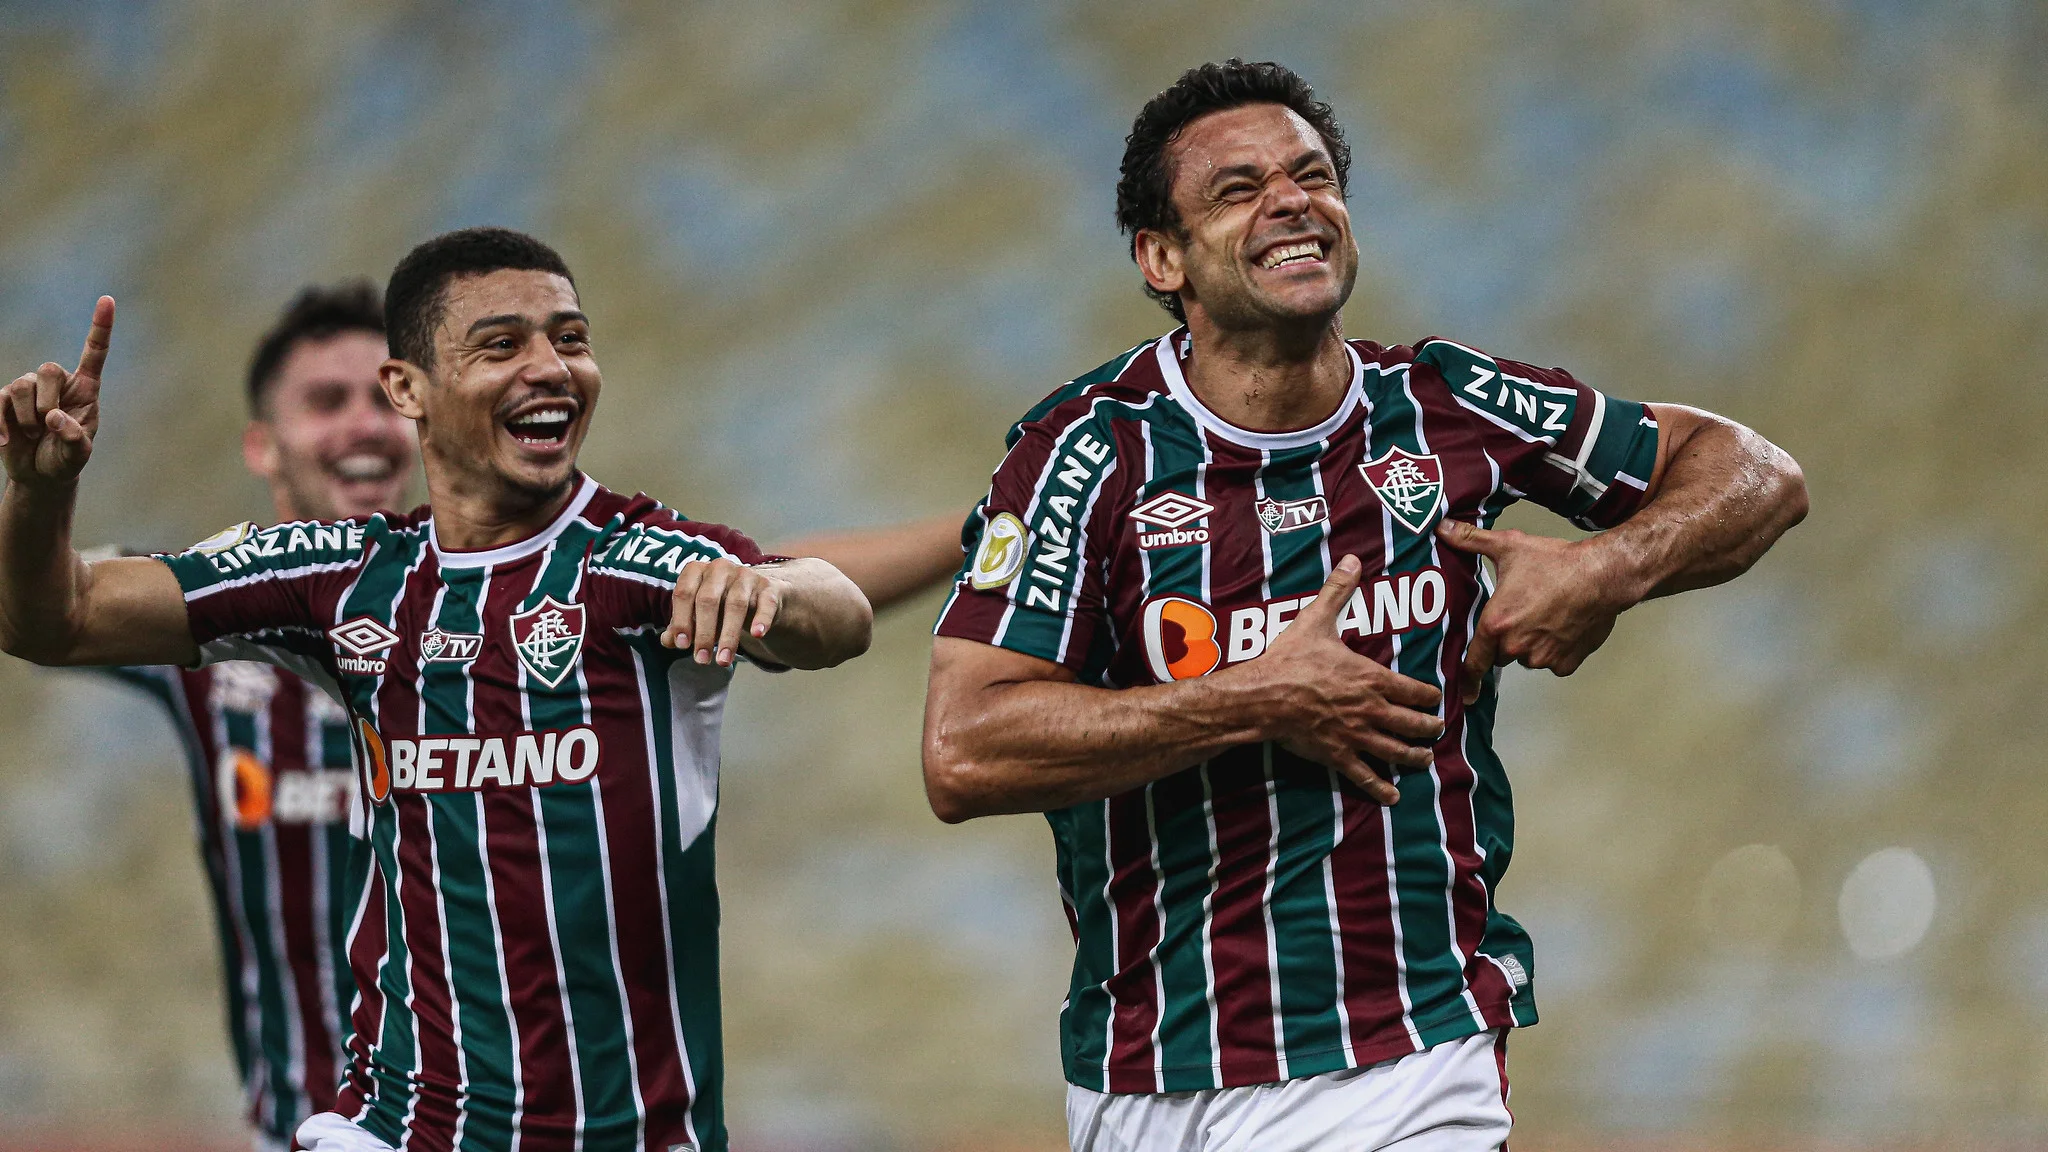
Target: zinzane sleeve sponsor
264, 593
638, 567
1033, 578
1578, 452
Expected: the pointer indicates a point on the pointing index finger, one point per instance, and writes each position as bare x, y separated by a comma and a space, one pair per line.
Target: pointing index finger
97, 339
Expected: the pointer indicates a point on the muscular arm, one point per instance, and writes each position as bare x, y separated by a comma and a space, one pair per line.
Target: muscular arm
890, 564
1006, 732
802, 613
1719, 497
54, 607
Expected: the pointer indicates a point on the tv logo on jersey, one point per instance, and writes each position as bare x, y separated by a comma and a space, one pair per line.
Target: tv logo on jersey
438, 647
1288, 515
362, 641
1183, 638
548, 637
1410, 486
1170, 511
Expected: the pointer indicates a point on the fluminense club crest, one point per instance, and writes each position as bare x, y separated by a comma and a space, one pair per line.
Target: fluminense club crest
1411, 486
548, 638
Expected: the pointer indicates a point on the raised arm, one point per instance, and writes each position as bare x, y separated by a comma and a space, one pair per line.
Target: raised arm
801, 613
891, 564
1719, 497
54, 607
1007, 732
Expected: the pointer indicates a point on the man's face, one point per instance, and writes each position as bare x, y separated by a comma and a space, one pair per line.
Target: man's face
1266, 238
504, 408
327, 439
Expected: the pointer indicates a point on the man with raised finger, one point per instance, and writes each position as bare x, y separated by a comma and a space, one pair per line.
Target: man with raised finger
533, 668
1215, 626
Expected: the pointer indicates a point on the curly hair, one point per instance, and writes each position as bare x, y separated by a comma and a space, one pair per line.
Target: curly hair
417, 294
1144, 192
316, 313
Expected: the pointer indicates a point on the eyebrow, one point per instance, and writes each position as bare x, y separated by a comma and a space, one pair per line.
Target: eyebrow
1312, 155
515, 318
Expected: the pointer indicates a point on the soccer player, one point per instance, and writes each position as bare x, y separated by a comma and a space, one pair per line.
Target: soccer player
267, 754
533, 669
1226, 625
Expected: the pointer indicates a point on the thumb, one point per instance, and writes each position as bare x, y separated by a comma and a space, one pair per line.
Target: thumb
1329, 602
1471, 538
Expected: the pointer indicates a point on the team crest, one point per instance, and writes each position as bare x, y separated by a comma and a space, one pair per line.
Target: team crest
1411, 486
548, 637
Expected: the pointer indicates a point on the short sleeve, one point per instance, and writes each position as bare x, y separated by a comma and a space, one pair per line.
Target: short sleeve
638, 567
1580, 453
255, 593
1033, 580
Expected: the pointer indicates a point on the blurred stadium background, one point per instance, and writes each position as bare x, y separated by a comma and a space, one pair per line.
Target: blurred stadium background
1781, 844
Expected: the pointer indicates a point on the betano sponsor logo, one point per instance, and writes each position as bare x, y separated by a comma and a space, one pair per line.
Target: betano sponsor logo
1183, 638
514, 760
1171, 512
251, 795
1052, 558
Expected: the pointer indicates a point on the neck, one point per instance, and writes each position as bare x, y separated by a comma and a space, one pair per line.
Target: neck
1268, 379
473, 513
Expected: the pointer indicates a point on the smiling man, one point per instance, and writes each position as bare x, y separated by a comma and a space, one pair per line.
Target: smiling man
1226, 625
533, 669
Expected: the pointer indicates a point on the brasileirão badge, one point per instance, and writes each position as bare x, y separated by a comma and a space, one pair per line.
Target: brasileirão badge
1410, 486
548, 637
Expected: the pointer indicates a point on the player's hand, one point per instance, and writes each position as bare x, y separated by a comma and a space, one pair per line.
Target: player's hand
1553, 605
1343, 706
716, 603
49, 417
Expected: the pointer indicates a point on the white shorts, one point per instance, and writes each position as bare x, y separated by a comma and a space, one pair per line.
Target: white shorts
1450, 1098
333, 1132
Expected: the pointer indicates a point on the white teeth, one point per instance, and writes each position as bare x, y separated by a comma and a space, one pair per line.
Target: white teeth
1290, 253
545, 416
363, 467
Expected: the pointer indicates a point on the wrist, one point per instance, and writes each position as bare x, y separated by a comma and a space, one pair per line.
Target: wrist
1622, 571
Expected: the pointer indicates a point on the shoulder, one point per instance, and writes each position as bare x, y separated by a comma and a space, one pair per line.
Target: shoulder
646, 540
292, 548
1110, 391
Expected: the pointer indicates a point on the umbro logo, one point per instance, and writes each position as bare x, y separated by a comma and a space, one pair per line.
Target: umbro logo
361, 641
1171, 512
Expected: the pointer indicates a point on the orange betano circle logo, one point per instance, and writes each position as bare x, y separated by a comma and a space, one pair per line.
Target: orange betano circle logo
244, 783
376, 765
1180, 639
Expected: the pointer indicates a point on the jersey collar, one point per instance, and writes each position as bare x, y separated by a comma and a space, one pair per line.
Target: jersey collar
518, 550
1167, 353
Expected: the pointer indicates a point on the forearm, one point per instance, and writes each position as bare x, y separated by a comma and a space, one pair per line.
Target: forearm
1040, 745
822, 619
1725, 496
890, 564
41, 578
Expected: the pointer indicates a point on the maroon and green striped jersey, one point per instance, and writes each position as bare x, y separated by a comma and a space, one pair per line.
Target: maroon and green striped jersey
535, 949
269, 764
1256, 918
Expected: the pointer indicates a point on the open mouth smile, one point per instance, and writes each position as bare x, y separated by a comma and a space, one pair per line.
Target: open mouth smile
543, 425
1293, 255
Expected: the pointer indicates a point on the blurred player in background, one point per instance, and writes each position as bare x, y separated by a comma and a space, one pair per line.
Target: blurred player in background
113, 611
1268, 766
268, 755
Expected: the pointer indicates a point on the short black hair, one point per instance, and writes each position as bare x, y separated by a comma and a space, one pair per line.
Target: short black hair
318, 312
419, 285
1144, 193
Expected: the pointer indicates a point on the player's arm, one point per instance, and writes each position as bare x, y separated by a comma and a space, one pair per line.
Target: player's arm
801, 613
1009, 732
1719, 496
890, 564
54, 607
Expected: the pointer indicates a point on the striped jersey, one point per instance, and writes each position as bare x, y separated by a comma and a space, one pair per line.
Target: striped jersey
1256, 918
269, 764
535, 949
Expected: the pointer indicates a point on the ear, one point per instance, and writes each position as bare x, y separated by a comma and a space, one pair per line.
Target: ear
259, 449
1160, 254
404, 385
